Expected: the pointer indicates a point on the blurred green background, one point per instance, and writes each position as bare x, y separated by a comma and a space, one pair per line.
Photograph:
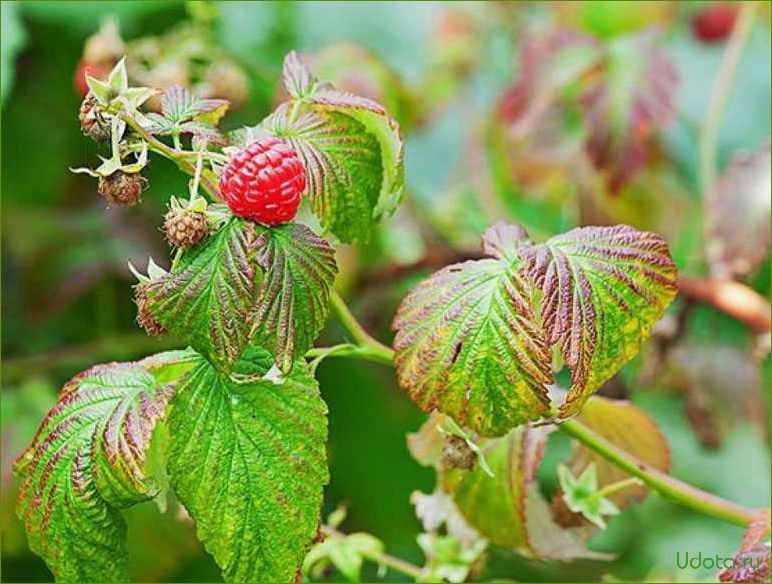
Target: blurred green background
444, 70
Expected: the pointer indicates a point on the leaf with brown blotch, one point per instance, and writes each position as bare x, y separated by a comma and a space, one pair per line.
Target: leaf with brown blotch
467, 343
737, 215
603, 289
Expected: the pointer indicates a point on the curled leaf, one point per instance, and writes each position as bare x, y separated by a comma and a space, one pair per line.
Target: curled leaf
88, 459
509, 510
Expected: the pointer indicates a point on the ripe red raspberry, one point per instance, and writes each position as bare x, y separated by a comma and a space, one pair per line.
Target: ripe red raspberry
264, 181
715, 23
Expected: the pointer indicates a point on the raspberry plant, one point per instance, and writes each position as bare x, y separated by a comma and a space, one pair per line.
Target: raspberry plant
234, 424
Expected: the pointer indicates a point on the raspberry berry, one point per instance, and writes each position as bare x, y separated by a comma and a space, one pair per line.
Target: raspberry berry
715, 23
122, 188
185, 228
264, 181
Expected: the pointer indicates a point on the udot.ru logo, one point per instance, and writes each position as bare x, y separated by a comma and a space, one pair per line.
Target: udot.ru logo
698, 560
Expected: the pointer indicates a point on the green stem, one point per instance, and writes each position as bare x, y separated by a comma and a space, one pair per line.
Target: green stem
179, 157
381, 558
197, 176
177, 257
349, 350
666, 485
614, 488
115, 141
357, 331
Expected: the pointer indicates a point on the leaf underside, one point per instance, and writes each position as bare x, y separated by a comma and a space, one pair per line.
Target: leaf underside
603, 289
248, 462
86, 461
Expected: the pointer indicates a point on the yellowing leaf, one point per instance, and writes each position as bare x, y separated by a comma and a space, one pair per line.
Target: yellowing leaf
508, 508
467, 343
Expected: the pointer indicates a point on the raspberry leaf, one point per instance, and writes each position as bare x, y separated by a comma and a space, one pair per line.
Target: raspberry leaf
631, 101
343, 168
508, 508
248, 462
208, 300
351, 147
294, 298
467, 343
603, 288
298, 79
384, 128
180, 105
247, 283
88, 459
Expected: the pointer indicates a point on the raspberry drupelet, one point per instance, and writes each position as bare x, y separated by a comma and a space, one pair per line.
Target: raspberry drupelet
264, 182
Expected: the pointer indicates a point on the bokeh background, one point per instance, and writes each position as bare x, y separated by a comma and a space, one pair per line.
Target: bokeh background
494, 102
